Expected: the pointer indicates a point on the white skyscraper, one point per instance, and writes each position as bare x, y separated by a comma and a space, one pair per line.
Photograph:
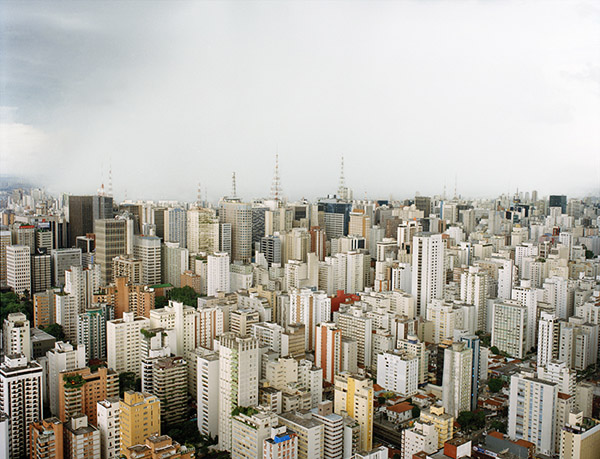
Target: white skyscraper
509, 328
548, 339
474, 290
63, 357
239, 369
398, 372
427, 269
109, 415
218, 277
528, 297
456, 388
147, 249
175, 261
208, 392
123, 343
532, 407
16, 333
18, 268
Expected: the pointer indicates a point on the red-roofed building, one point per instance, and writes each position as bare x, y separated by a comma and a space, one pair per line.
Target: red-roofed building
342, 298
399, 412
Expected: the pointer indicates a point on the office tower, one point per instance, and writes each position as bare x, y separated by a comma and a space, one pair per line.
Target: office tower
248, 431
218, 273
16, 334
578, 345
202, 230
282, 443
184, 319
531, 411
442, 422
208, 393
527, 296
318, 242
412, 345
559, 294
548, 338
239, 215
239, 368
558, 201
310, 433
225, 236
310, 378
579, 438
44, 308
46, 439
444, 317
102, 207
109, 414
91, 330
43, 239
421, 437
328, 350
258, 222
427, 269
63, 259
474, 290
155, 344
359, 326
127, 266
456, 385
111, 242
354, 395
271, 247
175, 222
333, 429
20, 399
64, 357
126, 297
82, 440
159, 221
139, 418
81, 217
423, 203
81, 389
18, 268
175, 261
82, 284
67, 311
242, 320
472, 342
211, 325
41, 271
310, 308
399, 372
560, 373
509, 328
123, 341
5, 241
147, 249
169, 384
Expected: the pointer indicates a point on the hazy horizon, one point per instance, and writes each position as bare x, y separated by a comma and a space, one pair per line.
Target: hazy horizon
414, 95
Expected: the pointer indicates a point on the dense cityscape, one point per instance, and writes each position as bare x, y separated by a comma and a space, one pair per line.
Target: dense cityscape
428, 327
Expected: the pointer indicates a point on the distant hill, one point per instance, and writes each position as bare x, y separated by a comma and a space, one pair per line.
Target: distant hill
10, 182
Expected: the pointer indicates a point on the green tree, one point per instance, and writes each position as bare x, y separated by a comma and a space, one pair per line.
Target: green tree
10, 303
495, 384
55, 330
416, 411
499, 426
186, 295
126, 382
160, 302
495, 350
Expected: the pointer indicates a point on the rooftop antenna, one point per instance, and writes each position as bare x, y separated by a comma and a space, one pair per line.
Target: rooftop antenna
276, 186
199, 201
205, 196
455, 186
233, 186
110, 184
342, 187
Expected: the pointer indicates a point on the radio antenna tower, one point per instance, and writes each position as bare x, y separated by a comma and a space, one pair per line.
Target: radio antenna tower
199, 201
342, 190
276, 186
233, 186
110, 185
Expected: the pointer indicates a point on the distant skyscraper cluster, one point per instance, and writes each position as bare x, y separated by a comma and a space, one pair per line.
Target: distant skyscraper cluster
336, 328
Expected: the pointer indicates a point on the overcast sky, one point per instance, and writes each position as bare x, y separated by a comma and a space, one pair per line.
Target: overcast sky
498, 94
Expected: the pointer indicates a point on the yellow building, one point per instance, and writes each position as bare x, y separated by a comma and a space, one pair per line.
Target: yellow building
140, 418
580, 438
354, 395
443, 423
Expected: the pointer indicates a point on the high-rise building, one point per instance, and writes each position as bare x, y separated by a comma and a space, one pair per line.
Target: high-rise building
5, 241
421, 437
239, 367
509, 328
80, 390
472, 342
354, 395
239, 215
579, 438
548, 338
208, 393
270, 246
109, 415
16, 334
442, 421
64, 357
558, 201
81, 217
41, 271
218, 277
282, 443
427, 269
310, 433
21, 400
531, 411
328, 350
46, 439
169, 384
127, 266
333, 429
175, 261
139, 418
184, 319
111, 241
202, 230
399, 372
175, 222
91, 330
456, 388
18, 268
310, 308
248, 432
123, 341
474, 290
358, 326
147, 249
44, 308
528, 297
63, 259
102, 207
82, 440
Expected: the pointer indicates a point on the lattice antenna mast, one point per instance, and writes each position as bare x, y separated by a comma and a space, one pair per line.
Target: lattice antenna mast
342, 188
276, 193
199, 201
233, 186
110, 184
